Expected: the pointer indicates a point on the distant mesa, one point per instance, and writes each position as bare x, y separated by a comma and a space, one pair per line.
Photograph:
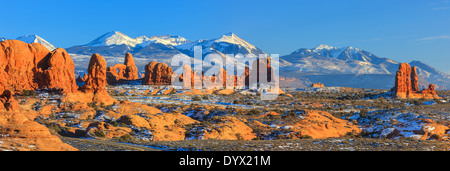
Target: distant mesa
407, 84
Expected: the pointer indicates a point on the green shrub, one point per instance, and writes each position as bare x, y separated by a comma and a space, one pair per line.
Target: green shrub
126, 138
254, 112
28, 93
239, 136
196, 98
363, 113
99, 133
305, 137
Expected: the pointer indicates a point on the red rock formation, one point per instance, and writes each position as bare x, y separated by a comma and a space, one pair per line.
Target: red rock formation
321, 124
20, 133
407, 84
126, 71
115, 73
317, 85
131, 71
108, 130
430, 92
157, 74
59, 72
186, 70
228, 128
82, 79
220, 80
402, 81
96, 81
32, 66
254, 73
414, 80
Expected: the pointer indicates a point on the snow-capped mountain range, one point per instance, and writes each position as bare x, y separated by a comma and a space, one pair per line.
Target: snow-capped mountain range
229, 43
116, 42
117, 38
333, 66
114, 45
352, 67
333, 60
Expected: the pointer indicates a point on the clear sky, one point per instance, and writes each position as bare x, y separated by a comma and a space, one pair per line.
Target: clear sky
403, 30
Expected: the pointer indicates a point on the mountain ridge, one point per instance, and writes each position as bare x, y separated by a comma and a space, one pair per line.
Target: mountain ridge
321, 63
328, 61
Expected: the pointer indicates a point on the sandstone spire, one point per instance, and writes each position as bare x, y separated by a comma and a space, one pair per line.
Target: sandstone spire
131, 71
96, 81
407, 84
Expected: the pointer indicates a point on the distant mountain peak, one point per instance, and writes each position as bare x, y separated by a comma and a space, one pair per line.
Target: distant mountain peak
113, 38
36, 39
323, 46
234, 39
229, 34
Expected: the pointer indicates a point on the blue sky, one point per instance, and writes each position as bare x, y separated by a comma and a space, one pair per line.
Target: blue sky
403, 30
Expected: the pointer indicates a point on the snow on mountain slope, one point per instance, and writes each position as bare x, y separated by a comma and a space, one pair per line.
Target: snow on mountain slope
228, 43
432, 75
118, 38
346, 67
333, 60
117, 44
165, 39
345, 53
114, 38
36, 39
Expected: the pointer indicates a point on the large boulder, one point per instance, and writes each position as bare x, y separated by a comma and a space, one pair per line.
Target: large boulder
105, 130
134, 120
169, 126
321, 124
226, 128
